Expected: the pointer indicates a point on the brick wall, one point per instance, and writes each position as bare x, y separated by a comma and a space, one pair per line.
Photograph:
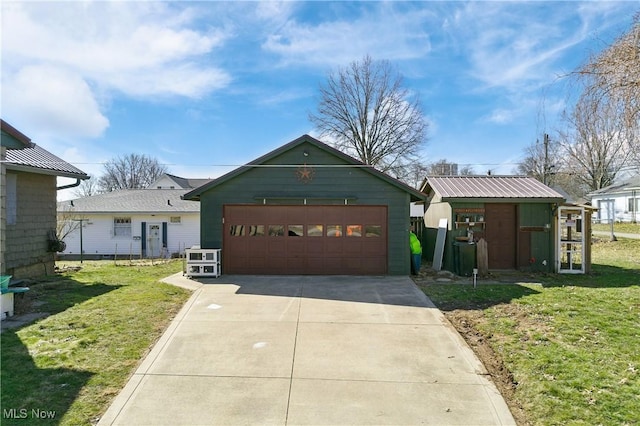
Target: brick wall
26, 242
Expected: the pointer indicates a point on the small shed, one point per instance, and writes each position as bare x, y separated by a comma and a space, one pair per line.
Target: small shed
307, 208
514, 215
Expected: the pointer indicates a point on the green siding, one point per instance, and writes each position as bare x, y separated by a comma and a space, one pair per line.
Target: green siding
328, 183
530, 214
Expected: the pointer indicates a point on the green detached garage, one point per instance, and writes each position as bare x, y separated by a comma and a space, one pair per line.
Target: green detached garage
307, 208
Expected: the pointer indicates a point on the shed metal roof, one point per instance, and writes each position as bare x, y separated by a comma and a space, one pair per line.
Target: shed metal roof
490, 187
133, 201
38, 160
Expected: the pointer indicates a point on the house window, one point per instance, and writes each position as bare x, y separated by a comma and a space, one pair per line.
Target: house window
634, 204
122, 227
175, 219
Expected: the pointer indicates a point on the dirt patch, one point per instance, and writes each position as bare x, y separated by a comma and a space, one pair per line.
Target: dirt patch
466, 323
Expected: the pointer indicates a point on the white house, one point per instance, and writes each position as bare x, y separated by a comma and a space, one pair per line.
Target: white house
619, 202
134, 222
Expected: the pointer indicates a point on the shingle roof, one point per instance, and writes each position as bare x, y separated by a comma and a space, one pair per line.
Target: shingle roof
133, 201
519, 187
188, 183
35, 157
628, 185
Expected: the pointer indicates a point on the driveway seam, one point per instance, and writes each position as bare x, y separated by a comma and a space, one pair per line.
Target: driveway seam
293, 358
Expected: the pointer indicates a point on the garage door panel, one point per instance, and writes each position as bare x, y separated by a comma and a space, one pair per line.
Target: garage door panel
305, 239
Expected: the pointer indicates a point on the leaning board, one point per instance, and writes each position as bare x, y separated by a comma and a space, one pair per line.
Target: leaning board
440, 239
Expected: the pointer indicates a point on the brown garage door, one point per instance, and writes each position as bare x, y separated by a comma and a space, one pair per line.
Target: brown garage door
329, 240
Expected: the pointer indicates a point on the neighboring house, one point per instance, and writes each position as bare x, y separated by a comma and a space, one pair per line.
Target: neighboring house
307, 208
167, 181
29, 191
515, 215
619, 202
129, 223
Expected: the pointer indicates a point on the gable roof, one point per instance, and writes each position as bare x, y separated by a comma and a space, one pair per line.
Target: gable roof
490, 187
628, 185
195, 194
183, 183
35, 159
133, 201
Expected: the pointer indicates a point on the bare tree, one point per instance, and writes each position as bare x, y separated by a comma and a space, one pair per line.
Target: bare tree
542, 161
595, 144
416, 173
466, 171
131, 171
68, 220
611, 79
613, 75
365, 112
87, 188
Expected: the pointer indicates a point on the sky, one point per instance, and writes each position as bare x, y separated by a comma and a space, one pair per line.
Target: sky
207, 86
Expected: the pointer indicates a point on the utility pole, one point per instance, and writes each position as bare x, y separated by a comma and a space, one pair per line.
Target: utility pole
546, 167
81, 249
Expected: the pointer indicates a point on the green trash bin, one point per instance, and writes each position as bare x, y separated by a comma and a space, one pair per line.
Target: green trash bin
464, 258
5, 280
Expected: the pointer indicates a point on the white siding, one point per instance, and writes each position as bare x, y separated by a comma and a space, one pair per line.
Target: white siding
621, 211
98, 238
165, 182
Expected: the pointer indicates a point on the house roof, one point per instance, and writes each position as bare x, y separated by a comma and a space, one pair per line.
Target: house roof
133, 201
12, 138
626, 186
185, 183
195, 194
490, 187
36, 159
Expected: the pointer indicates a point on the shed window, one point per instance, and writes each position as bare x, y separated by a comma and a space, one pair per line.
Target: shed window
122, 227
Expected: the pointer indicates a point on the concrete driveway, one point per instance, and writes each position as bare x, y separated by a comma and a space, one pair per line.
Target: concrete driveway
307, 350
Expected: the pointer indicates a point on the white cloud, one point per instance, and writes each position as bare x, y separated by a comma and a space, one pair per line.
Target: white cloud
501, 116
384, 33
52, 98
67, 57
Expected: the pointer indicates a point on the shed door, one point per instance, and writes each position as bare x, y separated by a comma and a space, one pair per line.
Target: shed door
321, 240
500, 234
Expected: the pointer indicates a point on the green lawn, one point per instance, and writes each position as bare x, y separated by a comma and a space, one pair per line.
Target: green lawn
572, 344
629, 228
70, 365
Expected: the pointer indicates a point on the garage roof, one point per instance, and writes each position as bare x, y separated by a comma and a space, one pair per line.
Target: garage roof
195, 194
489, 187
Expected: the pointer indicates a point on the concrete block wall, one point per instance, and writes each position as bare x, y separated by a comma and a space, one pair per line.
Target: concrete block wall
26, 241
3, 212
